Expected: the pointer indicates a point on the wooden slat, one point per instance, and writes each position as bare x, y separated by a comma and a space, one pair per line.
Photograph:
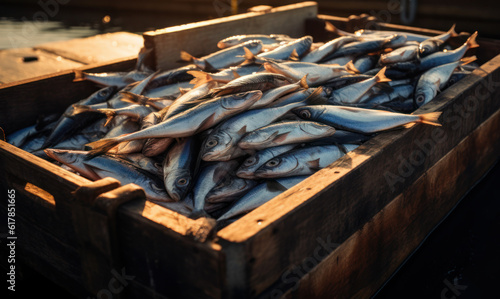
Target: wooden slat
14, 68
411, 216
174, 264
96, 49
201, 38
326, 202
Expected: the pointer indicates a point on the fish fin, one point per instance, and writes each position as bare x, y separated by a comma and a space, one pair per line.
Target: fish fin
109, 117
235, 74
249, 56
303, 82
274, 186
280, 137
243, 130
185, 56
380, 76
351, 68
101, 147
467, 60
79, 76
209, 67
315, 98
200, 77
471, 41
184, 90
430, 118
294, 56
452, 31
314, 164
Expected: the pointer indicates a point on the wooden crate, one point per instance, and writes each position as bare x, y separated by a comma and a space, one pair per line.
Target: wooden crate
340, 233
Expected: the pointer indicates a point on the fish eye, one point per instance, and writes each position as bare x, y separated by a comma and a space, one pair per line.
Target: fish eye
273, 163
420, 99
305, 114
182, 182
250, 161
211, 143
103, 93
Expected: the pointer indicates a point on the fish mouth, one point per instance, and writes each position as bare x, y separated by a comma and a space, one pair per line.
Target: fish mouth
245, 174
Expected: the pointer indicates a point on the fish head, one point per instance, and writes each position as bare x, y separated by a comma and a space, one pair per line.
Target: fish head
428, 47
279, 166
309, 112
218, 147
178, 183
106, 93
248, 167
67, 157
423, 95
226, 189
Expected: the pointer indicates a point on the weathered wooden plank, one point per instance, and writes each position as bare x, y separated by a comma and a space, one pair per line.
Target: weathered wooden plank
201, 38
96, 49
348, 186
410, 216
23, 101
174, 264
19, 64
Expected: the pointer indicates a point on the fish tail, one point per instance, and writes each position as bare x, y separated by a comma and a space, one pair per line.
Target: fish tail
351, 68
185, 56
471, 41
430, 118
452, 31
77, 109
110, 114
101, 147
380, 76
330, 27
79, 76
200, 77
467, 60
133, 98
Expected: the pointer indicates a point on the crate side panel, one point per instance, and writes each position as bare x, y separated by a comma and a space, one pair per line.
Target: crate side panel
369, 257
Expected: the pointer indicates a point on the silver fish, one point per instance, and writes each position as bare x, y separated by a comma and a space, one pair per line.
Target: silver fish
303, 161
317, 74
226, 57
265, 39
365, 121
288, 132
328, 48
179, 167
108, 166
259, 195
221, 144
230, 190
257, 81
189, 122
251, 164
406, 53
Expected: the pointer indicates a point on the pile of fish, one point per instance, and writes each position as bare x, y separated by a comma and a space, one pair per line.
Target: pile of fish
229, 131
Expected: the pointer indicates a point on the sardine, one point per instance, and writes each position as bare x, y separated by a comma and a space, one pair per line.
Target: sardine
265, 39
229, 190
328, 48
259, 195
108, 166
224, 58
257, 81
302, 161
289, 132
365, 121
179, 167
251, 164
